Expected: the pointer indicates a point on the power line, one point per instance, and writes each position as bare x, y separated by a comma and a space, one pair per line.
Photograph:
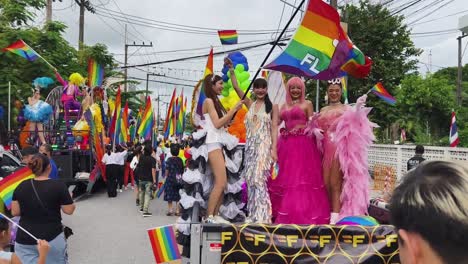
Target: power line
171, 83
186, 27
427, 21
183, 29
433, 11
204, 55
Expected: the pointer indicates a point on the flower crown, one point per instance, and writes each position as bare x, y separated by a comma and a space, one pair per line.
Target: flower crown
334, 81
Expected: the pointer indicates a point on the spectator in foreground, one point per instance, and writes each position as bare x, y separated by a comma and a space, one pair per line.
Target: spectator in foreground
417, 159
39, 202
430, 213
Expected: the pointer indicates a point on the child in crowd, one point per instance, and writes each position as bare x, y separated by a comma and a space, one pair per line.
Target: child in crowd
10, 257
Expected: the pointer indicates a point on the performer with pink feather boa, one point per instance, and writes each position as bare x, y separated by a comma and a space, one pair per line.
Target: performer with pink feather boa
298, 194
347, 136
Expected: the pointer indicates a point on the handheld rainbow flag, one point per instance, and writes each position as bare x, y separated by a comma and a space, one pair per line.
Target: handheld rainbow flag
380, 91
10, 182
180, 115
22, 49
95, 73
164, 243
146, 127
228, 37
320, 49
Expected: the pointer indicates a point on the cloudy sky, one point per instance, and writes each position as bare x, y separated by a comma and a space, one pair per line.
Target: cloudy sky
108, 26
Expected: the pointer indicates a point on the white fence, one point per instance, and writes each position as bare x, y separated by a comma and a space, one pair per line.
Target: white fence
397, 155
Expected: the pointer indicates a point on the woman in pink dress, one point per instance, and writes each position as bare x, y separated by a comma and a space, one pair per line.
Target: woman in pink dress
298, 194
347, 135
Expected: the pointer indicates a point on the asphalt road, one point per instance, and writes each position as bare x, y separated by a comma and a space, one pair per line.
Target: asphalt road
112, 230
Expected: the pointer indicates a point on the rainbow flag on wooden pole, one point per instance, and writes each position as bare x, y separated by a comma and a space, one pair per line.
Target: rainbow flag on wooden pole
164, 244
199, 95
124, 136
22, 49
10, 182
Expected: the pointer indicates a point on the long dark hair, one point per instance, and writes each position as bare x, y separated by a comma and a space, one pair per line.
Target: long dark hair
262, 83
38, 164
108, 149
208, 83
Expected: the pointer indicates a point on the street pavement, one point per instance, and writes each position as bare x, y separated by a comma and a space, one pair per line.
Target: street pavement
111, 230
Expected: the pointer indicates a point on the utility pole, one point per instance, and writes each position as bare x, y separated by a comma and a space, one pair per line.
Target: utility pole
84, 5
126, 60
147, 80
49, 11
334, 3
460, 67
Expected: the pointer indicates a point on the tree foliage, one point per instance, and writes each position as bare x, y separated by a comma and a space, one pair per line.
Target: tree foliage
386, 40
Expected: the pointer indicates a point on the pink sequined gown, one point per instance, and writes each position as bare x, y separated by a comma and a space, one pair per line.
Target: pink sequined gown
298, 194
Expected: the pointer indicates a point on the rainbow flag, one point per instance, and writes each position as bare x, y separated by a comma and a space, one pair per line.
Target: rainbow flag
320, 48
115, 127
180, 114
95, 73
265, 74
169, 124
22, 49
344, 84
10, 182
199, 95
124, 136
145, 129
184, 114
380, 91
164, 243
228, 37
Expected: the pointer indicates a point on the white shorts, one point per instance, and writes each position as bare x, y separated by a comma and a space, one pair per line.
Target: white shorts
213, 146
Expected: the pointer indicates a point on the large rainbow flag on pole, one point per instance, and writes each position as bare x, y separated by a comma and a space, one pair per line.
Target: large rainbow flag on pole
145, 129
114, 129
184, 114
320, 48
22, 49
180, 114
95, 73
124, 135
169, 124
10, 182
164, 244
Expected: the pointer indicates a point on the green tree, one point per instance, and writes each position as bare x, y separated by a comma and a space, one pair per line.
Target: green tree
18, 12
386, 40
424, 108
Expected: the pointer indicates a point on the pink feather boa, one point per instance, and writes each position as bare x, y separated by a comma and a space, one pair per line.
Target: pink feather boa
353, 141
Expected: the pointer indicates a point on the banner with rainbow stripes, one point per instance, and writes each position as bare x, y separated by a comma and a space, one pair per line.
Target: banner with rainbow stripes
164, 243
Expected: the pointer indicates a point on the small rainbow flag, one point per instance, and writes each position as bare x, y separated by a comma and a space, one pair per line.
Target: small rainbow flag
164, 243
265, 74
22, 49
115, 127
124, 136
10, 182
169, 125
95, 73
380, 91
228, 37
